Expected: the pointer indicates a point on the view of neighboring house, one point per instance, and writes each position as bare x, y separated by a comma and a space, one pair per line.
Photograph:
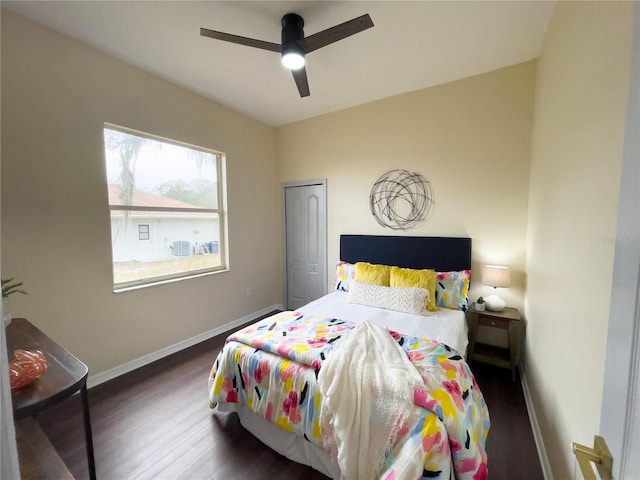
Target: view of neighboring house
156, 234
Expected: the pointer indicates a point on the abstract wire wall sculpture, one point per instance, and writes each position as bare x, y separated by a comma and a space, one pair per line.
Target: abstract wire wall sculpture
400, 199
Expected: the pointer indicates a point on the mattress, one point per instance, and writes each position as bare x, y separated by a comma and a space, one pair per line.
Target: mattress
446, 326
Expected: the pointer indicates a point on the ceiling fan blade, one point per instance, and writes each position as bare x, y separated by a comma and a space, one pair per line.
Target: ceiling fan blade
333, 34
249, 42
300, 76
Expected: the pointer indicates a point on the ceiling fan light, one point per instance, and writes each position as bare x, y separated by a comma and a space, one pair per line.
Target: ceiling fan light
292, 57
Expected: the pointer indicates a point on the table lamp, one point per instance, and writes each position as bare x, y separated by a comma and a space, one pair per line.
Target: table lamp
495, 276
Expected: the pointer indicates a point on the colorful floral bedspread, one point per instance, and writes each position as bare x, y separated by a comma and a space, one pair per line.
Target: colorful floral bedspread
272, 366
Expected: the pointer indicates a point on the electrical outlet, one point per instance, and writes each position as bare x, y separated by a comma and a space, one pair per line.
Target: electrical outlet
248, 291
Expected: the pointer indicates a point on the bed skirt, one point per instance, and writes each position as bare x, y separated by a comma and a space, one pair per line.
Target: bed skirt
285, 443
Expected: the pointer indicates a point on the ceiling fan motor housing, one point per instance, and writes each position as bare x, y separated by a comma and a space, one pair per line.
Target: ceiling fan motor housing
292, 29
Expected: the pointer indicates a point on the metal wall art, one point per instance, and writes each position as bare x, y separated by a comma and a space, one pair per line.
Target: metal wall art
400, 199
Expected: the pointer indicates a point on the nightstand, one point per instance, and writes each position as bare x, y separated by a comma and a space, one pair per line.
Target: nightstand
508, 320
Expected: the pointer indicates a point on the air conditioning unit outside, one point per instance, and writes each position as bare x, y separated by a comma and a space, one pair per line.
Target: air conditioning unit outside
181, 248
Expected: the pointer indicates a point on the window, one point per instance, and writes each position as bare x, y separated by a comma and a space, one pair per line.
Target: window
143, 232
169, 194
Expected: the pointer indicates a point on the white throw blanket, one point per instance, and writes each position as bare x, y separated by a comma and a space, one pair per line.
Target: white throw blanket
367, 386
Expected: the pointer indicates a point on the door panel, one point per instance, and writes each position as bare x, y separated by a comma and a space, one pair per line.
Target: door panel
620, 414
295, 219
305, 244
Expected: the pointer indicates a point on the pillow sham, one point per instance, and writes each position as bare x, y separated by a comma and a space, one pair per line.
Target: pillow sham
372, 273
409, 277
452, 289
344, 274
401, 299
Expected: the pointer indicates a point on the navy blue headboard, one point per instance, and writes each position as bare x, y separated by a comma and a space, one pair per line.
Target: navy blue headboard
442, 254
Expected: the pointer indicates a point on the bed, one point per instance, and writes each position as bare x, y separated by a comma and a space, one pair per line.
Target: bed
286, 376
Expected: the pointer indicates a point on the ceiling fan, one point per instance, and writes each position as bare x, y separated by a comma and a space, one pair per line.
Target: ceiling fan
295, 45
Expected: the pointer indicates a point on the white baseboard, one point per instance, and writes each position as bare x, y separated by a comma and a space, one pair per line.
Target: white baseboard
535, 428
115, 372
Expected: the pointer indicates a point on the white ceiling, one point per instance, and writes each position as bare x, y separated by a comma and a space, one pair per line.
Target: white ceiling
413, 45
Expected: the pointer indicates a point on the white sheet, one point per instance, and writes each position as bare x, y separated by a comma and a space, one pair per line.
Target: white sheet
446, 326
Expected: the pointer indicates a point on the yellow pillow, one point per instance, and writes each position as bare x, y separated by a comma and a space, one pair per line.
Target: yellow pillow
374, 274
408, 277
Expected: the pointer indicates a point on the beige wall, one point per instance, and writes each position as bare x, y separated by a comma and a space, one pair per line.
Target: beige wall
469, 138
581, 95
56, 94
545, 205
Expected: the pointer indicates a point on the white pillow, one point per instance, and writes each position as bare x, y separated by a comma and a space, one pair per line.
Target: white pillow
400, 299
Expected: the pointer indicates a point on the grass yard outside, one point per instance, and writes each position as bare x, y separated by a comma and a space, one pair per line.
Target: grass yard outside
132, 271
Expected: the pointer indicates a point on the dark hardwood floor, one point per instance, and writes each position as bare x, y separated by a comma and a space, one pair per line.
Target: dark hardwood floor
155, 423
511, 449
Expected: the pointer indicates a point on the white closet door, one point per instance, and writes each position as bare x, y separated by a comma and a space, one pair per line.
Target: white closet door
305, 243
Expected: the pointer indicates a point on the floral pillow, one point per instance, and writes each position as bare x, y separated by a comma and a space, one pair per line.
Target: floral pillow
452, 289
345, 272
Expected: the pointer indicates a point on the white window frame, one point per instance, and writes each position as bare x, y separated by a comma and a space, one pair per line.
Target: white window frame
221, 211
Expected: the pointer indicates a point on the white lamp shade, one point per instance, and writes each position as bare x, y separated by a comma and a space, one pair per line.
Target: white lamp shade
496, 276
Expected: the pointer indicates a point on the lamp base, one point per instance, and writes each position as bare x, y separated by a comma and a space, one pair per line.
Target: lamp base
494, 303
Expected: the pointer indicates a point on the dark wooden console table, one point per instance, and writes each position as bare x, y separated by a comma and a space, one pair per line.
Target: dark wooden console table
65, 376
